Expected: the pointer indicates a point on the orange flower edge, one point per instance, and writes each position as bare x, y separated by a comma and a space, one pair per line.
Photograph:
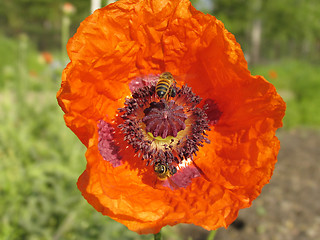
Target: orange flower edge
129, 43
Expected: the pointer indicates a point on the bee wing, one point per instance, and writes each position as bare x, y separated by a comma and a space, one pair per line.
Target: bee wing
182, 178
182, 79
170, 184
143, 81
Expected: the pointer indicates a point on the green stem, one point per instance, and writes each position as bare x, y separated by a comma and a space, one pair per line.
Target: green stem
64, 35
157, 236
211, 235
22, 71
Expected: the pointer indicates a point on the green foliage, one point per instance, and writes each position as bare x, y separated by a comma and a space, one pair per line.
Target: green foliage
41, 160
234, 14
298, 83
41, 19
289, 27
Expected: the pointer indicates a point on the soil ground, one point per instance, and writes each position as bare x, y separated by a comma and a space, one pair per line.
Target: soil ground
289, 206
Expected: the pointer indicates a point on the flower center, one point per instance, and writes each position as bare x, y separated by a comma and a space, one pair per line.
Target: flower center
164, 119
164, 131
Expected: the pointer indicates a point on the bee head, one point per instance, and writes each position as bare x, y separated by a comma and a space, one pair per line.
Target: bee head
166, 75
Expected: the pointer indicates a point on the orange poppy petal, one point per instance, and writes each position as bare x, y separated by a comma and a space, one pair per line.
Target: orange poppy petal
131, 38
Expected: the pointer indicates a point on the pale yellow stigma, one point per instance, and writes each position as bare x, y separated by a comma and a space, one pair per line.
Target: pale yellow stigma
159, 138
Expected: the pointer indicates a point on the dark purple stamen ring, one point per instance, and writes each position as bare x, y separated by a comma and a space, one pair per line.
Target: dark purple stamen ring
146, 118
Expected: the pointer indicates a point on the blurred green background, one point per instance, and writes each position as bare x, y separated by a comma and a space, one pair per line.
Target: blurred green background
41, 158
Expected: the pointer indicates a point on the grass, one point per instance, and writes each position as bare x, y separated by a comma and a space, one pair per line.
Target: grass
41, 158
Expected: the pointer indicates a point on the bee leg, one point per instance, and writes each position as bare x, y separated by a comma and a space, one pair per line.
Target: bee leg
173, 92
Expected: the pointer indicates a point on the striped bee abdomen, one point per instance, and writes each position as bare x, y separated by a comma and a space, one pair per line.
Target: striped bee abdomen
165, 85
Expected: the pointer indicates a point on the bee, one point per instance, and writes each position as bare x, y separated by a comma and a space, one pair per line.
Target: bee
163, 171
165, 87
186, 174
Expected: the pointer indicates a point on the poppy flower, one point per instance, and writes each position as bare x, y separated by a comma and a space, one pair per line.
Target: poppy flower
273, 74
197, 152
68, 8
47, 57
